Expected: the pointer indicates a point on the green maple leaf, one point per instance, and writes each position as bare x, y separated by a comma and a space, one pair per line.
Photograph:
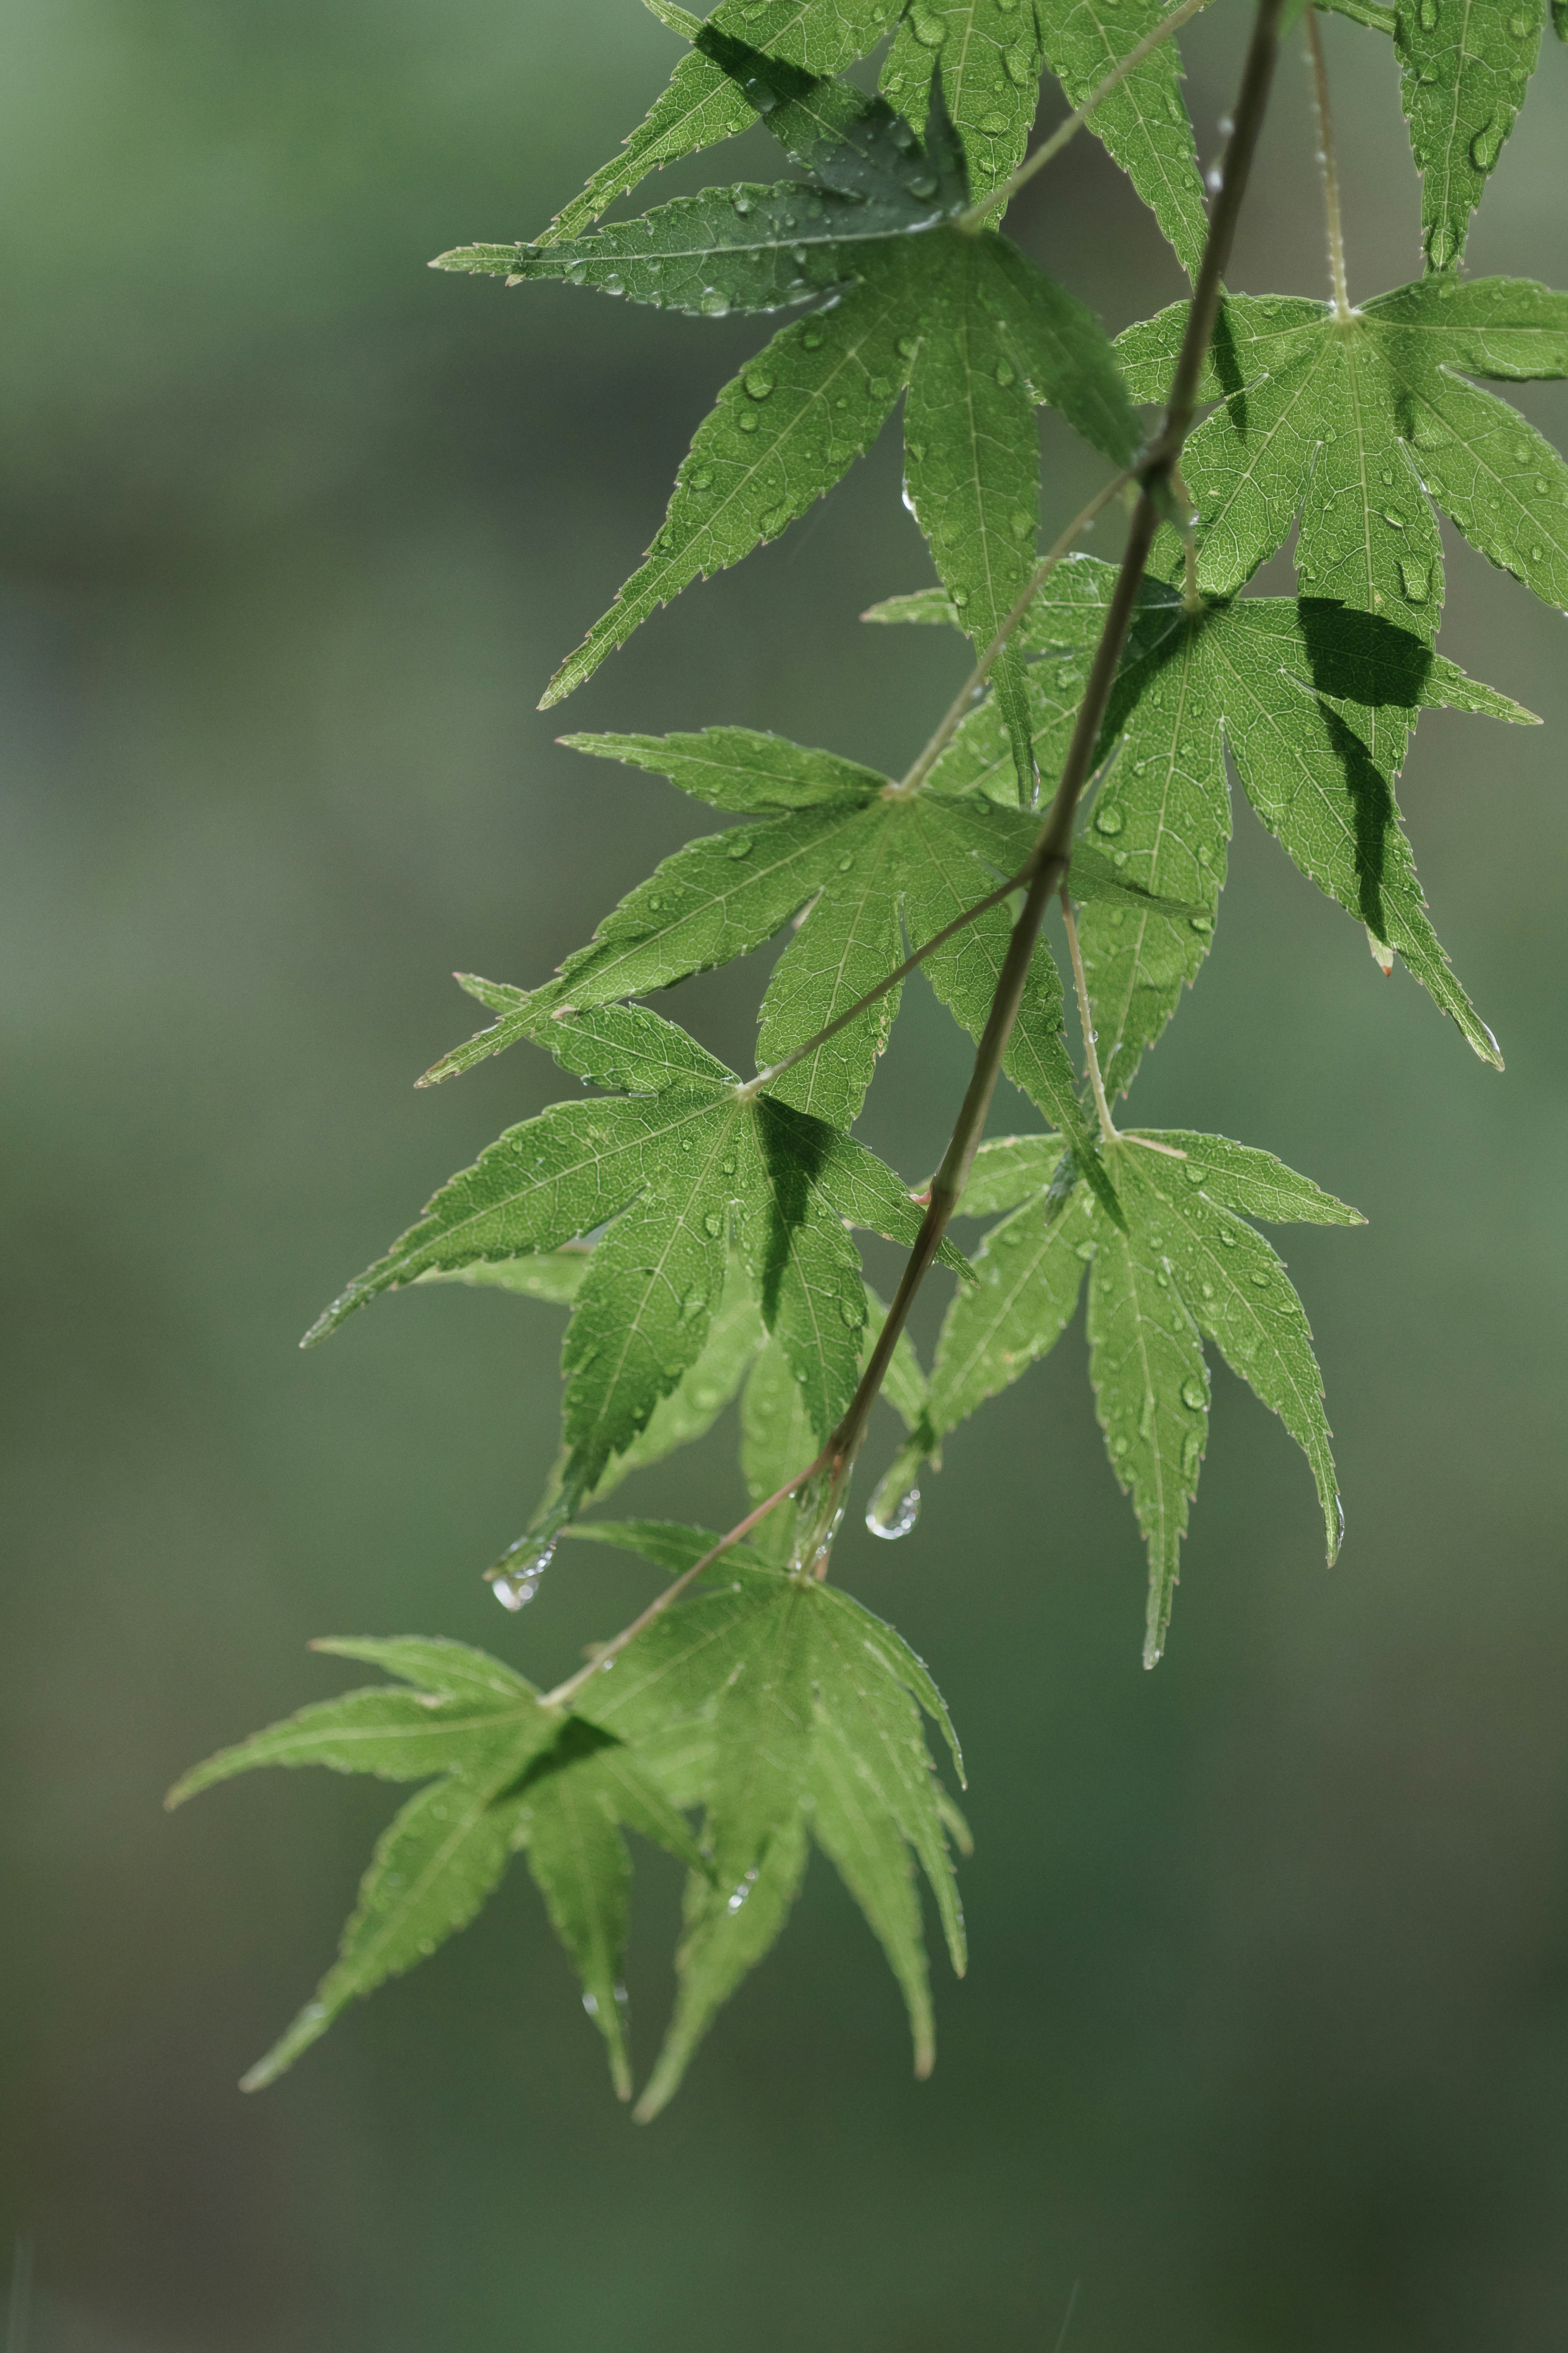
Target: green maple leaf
977, 335
1186, 1266
871, 863
671, 1165
801, 1715
515, 1776
1464, 67
703, 105
1359, 426
1314, 702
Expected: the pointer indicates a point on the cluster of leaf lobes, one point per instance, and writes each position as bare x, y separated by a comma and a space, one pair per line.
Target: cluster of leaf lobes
697, 1224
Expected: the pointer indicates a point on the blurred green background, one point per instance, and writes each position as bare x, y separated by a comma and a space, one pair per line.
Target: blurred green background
1265, 2041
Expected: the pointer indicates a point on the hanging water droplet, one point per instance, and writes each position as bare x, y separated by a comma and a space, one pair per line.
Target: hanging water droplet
894, 1508
1213, 180
516, 1576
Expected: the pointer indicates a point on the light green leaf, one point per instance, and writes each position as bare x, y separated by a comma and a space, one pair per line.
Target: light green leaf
1031, 1268
1151, 1394
815, 1721
1464, 65
430, 1873
398, 1736
751, 247
1185, 1265
669, 1173
739, 768
1143, 123
568, 1810
719, 1946
1314, 702
782, 434
989, 59
1356, 424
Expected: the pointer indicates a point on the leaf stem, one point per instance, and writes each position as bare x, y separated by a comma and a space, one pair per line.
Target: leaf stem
1328, 163
1086, 1019
947, 727
975, 217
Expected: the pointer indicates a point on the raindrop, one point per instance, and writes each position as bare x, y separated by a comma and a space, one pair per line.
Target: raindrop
1427, 13
713, 304
740, 1892
1519, 26
929, 31
1416, 580
1108, 818
908, 347
1005, 373
746, 421
516, 1576
759, 383
741, 846
1391, 515
698, 477
1485, 147
1193, 1395
1200, 922
924, 185
811, 339
713, 1224
1213, 180
894, 1508
613, 283
741, 203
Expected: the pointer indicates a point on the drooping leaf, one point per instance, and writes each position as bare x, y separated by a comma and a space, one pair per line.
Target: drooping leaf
1358, 426
668, 1170
514, 1773
814, 1712
1464, 66
1186, 1266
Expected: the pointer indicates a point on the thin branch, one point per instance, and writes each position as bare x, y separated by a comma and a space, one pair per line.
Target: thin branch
1053, 850
1086, 1020
1328, 163
948, 726
978, 213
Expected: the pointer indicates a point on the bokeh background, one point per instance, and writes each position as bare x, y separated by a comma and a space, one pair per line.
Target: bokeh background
1265, 2041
